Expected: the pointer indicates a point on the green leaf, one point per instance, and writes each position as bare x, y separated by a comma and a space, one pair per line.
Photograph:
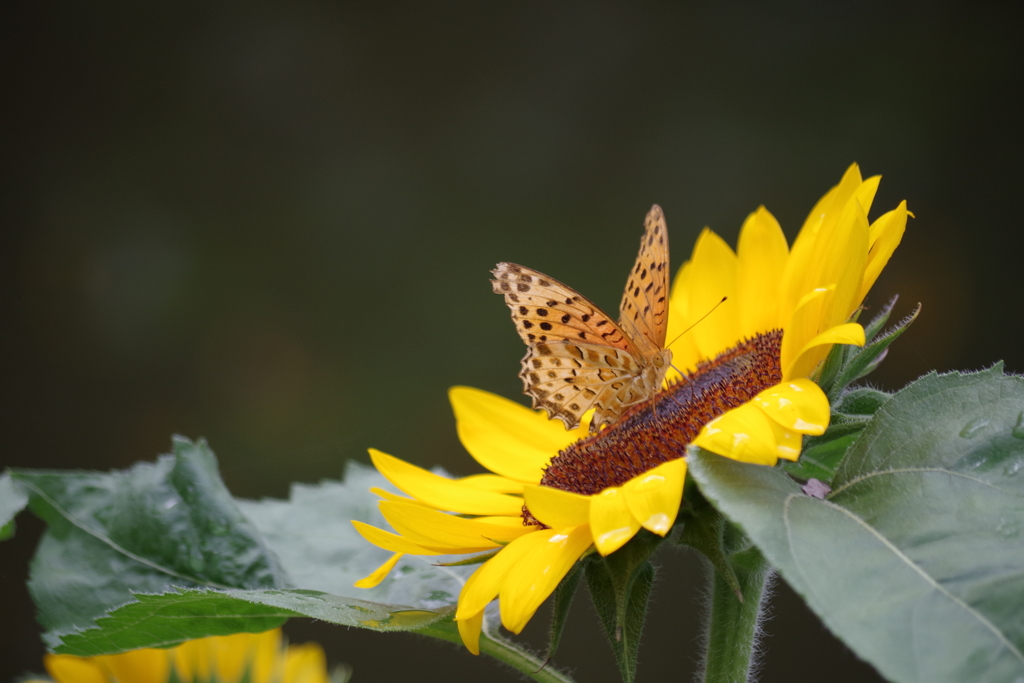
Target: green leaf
12, 500
862, 401
874, 328
560, 608
863, 362
146, 529
158, 527
822, 454
146, 623
915, 558
846, 364
821, 460
619, 586
172, 618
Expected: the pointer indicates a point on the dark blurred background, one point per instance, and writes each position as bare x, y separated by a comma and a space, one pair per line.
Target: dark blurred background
271, 224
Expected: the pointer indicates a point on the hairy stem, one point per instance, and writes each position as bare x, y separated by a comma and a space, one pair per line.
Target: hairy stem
503, 650
732, 627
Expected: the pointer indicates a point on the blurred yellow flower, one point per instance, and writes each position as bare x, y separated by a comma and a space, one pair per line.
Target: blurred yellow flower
254, 658
555, 495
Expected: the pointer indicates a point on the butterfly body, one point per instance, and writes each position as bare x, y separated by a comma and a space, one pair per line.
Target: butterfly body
578, 358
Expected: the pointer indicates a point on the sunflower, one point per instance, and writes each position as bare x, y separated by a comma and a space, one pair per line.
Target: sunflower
744, 390
259, 658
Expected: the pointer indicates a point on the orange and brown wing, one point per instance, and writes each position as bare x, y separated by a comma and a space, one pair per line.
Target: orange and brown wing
577, 357
545, 310
643, 313
567, 379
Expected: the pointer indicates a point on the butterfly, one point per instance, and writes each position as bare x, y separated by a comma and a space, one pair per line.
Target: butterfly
577, 357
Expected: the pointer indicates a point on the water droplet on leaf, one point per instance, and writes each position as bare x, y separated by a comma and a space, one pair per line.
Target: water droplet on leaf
1014, 467
1018, 429
1008, 528
972, 428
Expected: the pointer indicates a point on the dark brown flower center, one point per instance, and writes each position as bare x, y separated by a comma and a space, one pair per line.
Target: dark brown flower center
659, 429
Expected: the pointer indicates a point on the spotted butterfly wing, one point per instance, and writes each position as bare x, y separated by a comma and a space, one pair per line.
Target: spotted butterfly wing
643, 313
577, 357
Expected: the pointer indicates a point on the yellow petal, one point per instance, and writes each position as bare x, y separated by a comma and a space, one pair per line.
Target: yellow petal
713, 276
538, 573
442, 493
509, 522
826, 230
137, 666
394, 497
805, 322
611, 522
798, 405
787, 443
803, 269
433, 529
865, 194
377, 575
469, 629
885, 236
654, 497
221, 658
815, 350
837, 262
305, 663
258, 652
267, 660
831, 205
70, 669
685, 352
744, 433
492, 482
485, 583
556, 508
389, 541
762, 252
193, 660
237, 652
506, 437
842, 260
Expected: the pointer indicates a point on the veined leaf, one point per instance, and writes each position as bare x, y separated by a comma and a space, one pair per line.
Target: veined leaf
821, 460
145, 535
172, 618
12, 500
145, 529
915, 558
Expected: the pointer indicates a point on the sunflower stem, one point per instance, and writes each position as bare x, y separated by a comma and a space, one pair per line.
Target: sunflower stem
503, 650
521, 660
732, 627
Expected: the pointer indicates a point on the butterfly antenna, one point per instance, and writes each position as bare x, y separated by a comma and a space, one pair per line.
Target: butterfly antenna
696, 323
